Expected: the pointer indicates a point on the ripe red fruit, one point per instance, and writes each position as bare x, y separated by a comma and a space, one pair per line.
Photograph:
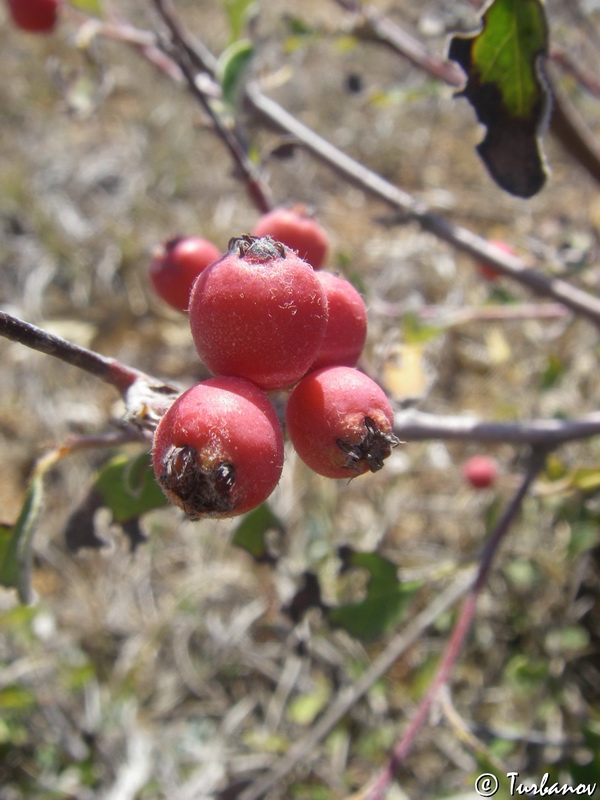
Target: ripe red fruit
480, 471
218, 450
340, 422
175, 266
258, 313
297, 230
346, 329
489, 272
35, 16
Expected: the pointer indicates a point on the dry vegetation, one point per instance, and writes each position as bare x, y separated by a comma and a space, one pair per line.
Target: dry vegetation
171, 672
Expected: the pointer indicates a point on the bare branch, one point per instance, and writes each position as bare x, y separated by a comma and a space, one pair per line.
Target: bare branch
411, 209
146, 398
412, 425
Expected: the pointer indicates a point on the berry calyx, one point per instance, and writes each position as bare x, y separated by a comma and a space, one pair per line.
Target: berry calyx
340, 422
346, 329
258, 313
218, 450
34, 16
480, 471
298, 231
175, 266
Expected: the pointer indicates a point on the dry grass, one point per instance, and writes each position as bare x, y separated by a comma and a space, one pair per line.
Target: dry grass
172, 672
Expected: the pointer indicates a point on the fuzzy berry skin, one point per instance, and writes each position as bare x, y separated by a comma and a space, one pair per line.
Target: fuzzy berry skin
487, 271
296, 230
340, 422
175, 266
34, 16
218, 450
258, 313
480, 471
346, 329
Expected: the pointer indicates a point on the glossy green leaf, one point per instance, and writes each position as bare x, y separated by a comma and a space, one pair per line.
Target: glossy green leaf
503, 64
386, 598
251, 533
231, 68
128, 487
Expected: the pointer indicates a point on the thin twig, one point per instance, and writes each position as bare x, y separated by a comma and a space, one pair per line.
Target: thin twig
190, 60
381, 784
107, 369
352, 694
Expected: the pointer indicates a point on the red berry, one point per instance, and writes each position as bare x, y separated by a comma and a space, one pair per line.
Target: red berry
480, 471
297, 230
486, 270
218, 450
258, 313
340, 422
35, 16
346, 329
175, 266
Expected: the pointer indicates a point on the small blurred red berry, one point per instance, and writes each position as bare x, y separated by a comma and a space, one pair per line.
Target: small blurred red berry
175, 266
487, 271
34, 16
480, 471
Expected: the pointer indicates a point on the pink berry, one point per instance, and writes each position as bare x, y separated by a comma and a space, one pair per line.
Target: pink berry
294, 228
340, 422
480, 471
218, 450
258, 313
175, 266
346, 329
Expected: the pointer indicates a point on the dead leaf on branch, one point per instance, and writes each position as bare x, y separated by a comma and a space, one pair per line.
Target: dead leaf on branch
506, 87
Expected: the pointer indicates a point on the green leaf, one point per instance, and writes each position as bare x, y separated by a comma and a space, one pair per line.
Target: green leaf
128, 487
505, 87
386, 599
415, 331
251, 533
16, 542
93, 7
238, 12
232, 66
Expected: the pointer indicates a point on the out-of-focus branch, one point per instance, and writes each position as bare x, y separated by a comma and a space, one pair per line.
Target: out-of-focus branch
413, 425
380, 785
193, 57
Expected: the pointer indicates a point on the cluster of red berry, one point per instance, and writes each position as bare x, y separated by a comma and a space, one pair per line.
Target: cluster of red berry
263, 319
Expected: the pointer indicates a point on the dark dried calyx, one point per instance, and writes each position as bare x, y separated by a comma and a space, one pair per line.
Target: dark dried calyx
201, 492
372, 450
